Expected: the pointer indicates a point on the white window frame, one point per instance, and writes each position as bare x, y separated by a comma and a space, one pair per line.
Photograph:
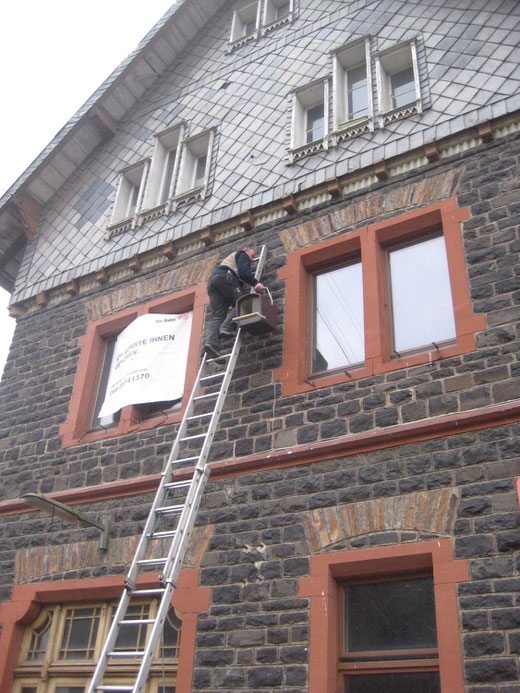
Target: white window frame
157, 200
343, 60
241, 17
130, 178
303, 99
192, 149
389, 62
270, 19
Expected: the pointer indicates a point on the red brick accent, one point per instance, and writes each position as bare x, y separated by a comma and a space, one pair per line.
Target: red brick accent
207, 235
484, 131
368, 243
247, 221
101, 276
17, 311
452, 424
72, 287
27, 601
425, 511
323, 589
289, 204
135, 263
41, 562
77, 428
169, 250
380, 169
42, 299
333, 187
431, 152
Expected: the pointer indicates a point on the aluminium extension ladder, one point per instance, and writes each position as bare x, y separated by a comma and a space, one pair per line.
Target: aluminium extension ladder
178, 538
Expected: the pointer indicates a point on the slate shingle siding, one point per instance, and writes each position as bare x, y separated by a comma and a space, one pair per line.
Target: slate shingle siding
468, 60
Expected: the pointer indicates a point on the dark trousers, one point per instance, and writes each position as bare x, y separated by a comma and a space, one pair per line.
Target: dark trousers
223, 290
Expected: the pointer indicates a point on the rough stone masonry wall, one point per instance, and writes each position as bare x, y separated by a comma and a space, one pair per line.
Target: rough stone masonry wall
262, 529
37, 384
268, 509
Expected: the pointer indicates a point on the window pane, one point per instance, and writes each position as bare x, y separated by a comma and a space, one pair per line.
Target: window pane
315, 123
132, 200
172, 628
79, 635
133, 637
39, 640
200, 170
168, 173
338, 318
283, 9
424, 682
421, 295
250, 27
403, 87
397, 615
357, 96
102, 388
70, 689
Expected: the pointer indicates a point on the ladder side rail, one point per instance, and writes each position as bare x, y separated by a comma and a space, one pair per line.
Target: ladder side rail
110, 642
177, 550
187, 521
204, 453
165, 478
179, 545
130, 580
153, 639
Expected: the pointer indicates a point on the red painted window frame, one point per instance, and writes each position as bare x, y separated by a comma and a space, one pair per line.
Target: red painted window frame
28, 600
371, 243
323, 587
77, 429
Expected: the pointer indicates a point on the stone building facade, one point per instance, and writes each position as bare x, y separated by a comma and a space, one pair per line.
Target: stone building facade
343, 495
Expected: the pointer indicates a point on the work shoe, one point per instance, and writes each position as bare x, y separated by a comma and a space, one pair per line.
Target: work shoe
211, 351
227, 332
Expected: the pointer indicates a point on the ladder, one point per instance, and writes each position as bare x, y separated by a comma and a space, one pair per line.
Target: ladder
162, 508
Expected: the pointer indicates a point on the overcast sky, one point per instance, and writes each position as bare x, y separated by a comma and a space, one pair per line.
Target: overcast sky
53, 55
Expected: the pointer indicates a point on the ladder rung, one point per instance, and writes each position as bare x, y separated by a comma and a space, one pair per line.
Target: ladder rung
184, 459
218, 359
151, 561
199, 435
178, 484
121, 654
115, 689
199, 416
147, 593
213, 377
210, 394
162, 535
136, 622
169, 509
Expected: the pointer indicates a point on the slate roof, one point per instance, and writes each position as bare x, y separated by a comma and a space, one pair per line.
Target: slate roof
470, 71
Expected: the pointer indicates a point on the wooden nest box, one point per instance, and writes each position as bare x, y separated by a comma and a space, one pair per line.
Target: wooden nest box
256, 314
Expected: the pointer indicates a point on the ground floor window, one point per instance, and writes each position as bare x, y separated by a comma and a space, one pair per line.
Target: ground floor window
62, 646
385, 619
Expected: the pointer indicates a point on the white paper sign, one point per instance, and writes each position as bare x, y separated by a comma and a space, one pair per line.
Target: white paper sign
149, 362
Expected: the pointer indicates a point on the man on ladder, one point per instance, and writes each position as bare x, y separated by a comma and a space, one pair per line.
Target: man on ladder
225, 286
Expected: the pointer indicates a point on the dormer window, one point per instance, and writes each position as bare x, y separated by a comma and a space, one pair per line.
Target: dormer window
352, 90
245, 24
277, 12
398, 83
315, 123
164, 169
129, 195
194, 167
309, 129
